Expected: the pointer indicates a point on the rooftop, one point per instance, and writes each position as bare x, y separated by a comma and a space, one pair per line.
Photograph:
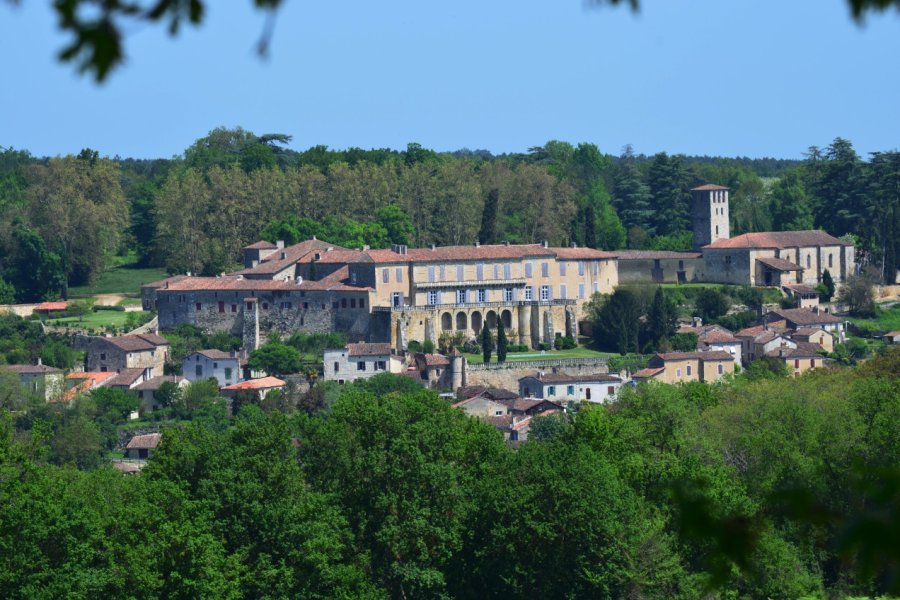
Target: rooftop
701, 355
779, 239
31, 369
126, 377
647, 373
213, 354
147, 441
708, 187
805, 316
367, 349
779, 264
655, 255
137, 343
564, 378
260, 245
256, 384
154, 383
51, 306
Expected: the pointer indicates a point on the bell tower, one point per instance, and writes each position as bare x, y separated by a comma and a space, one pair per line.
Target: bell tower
709, 209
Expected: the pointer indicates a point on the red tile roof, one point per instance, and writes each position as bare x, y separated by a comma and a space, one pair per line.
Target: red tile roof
125, 377
367, 349
704, 356
89, 380
51, 306
779, 264
801, 351
779, 239
582, 254
154, 383
707, 187
282, 259
434, 360
451, 253
647, 373
805, 316
655, 254
256, 384
260, 245
163, 283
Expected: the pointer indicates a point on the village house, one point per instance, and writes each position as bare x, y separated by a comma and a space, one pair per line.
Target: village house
799, 359
141, 447
891, 337
813, 335
147, 391
39, 380
715, 337
360, 361
224, 367
127, 379
481, 406
145, 350
679, 367
82, 382
803, 318
757, 340
803, 295
261, 387
559, 387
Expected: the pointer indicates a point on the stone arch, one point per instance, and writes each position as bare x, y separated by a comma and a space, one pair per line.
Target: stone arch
491, 320
461, 321
476, 322
446, 322
506, 317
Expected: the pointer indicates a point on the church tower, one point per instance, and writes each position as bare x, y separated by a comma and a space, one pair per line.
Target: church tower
709, 209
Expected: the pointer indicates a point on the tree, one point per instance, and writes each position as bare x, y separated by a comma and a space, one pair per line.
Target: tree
858, 293
669, 182
827, 293
662, 319
711, 304
275, 358
616, 321
487, 343
7, 292
789, 204
36, 273
502, 342
488, 232
396, 223
632, 198
168, 394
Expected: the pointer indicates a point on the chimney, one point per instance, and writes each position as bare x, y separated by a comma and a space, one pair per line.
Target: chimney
366, 248
432, 246
299, 280
40, 362
477, 244
313, 238
573, 245
280, 244
506, 242
545, 243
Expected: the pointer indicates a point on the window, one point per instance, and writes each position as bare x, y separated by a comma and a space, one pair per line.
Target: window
812, 362
431, 274
397, 299
265, 306
562, 291
728, 259
399, 274
361, 365
830, 260
305, 305
595, 268
198, 370
479, 272
545, 269
509, 295
581, 268
443, 272
596, 287
103, 356
580, 291
381, 365
717, 230
528, 268
460, 272
545, 292
551, 391
362, 302
461, 296
611, 390
352, 302
797, 363
496, 271
721, 369
570, 390
343, 303
227, 373
498, 413
562, 269
197, 306
221, 306
681, 265
337, 366
234, 308
808, 261
286, 305
689, 370
482, 295
677, 372
507, 270
432, 297
529, 293
385, 275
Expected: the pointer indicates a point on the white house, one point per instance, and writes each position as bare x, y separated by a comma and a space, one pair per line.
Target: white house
224, 367
147, 391
559, 387
360, 361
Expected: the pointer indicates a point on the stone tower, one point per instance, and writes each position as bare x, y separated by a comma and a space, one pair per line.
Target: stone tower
709, 210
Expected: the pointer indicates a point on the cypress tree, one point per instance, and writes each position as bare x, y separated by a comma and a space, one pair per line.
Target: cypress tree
828, 282
502, 342
486, 344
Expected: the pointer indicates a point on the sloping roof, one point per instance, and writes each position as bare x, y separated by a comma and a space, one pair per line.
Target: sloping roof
808, 331
154, 383
51, 306
367, 349
563, 378
779, 264
125, 377
88, 380
433, 360
213, 354
256, 384
31, 369
655, 255
801, 351
470, 391
779, 239
331, 256
500, 394
702, 355
339, 281
647, 373
582, 254
891, 334
717, 336
137, 343
260, 245
800, 288
450, 253
163, 283
805, 316
147, 441
282, 259
708, 187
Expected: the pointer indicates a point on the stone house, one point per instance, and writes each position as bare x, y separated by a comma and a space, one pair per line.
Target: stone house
559, 387
145, 350
360, 361
715, 337
127, 379
146, 391
40, 380
679, 367
756, 341
483, 407
813, 335
800, 359
141, 447
224, 367
802, 318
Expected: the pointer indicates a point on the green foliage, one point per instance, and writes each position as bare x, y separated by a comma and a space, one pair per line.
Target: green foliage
487, 344
428, 347
766, 367
488, 232
711, 304
502, 342
828, 287
414, 346
275, 358
684, 342
616, 321
7, 292
858, 293
662, 318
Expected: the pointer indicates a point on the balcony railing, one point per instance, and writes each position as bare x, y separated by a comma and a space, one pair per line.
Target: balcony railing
470, 305
469, 284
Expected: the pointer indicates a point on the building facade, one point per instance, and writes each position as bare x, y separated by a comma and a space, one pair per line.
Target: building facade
224, 367
112, 354
360, 361
559, 387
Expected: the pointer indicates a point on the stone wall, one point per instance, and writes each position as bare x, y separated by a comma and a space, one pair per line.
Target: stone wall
506, 375
666, 271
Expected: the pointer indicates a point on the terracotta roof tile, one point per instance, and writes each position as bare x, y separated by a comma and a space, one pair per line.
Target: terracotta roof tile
655, 254
141, 342
125, 377
256, 384
434, 360
582, 254
779, 264
282, 259
805, 316
30, 369
647, 373
448, 253
51, 306
702, 355
779, 239
367, 349
260, 245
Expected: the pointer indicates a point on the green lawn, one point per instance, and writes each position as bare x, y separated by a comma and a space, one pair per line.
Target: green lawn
887, 320
129, 301
123, 279
536, 355
96, 320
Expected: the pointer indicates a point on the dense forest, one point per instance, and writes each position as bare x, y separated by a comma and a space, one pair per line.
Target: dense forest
64, 219
754, 487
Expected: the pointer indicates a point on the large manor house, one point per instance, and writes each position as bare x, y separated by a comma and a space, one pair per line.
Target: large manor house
538, 291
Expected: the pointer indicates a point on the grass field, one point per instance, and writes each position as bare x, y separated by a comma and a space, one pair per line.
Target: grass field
887, 320
96, 320
123, 277
536, 355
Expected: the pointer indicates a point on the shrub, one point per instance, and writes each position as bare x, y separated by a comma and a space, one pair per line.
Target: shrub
564, 342
428, 347
414, 346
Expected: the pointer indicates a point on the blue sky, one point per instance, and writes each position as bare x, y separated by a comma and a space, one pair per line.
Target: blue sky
735, 77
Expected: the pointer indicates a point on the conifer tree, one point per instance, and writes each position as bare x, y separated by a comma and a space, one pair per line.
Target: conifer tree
502, 342
487, 344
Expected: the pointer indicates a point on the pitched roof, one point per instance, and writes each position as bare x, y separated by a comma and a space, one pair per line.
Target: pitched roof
164, 283
260, 245
339, 281
126, 377
701, 355
582, 254
367, 349
779, 264
140, 342
256, 384
147, 441
647, 373
51, 306
655, 255
891, 334
282, 259
31, 369
499, 394
213, 354
800, 288
88, 381
433, 360
564, 378
717, 336
154, 383
779, 239
808, 331
805, 316
801, 351
451, 253
708, 186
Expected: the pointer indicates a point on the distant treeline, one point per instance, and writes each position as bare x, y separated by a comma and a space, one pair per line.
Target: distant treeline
63, 219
